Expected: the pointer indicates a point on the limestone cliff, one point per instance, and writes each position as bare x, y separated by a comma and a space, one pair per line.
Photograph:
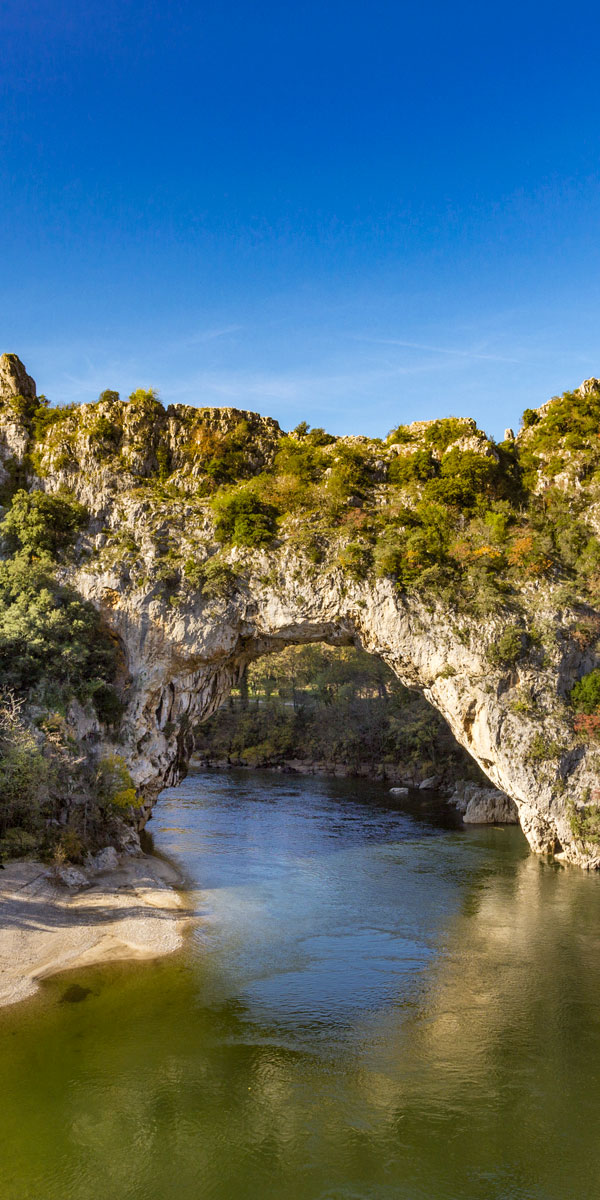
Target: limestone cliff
191, 603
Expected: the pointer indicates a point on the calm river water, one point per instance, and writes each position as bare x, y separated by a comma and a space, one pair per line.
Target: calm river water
373, 1006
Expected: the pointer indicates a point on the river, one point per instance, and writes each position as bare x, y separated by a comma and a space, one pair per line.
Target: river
374, 1005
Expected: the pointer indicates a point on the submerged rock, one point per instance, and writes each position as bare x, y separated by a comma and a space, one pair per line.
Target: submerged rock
75, 994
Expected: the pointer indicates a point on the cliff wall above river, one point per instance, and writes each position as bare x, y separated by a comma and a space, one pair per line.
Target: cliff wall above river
183, 543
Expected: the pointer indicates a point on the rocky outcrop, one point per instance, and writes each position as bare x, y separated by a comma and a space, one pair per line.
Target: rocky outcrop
483, 806
183, 663
14, 380
184, 646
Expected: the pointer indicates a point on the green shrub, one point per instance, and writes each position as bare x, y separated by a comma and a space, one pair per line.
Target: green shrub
299, 458
105, 435
306, 541
441, 434
23, 771
571, 415
69, 847
466, 477
408, 468
554, 466
48, 633
115, 786
400, 436
416, 546
225, 458
162, 459
242, 519
585, 695
585, 821
19, 843
388, 554
144, 402
50, 638
349, 475
530, 417
318, 437
218, 579
45, 417
542, 748
21, 407
509, 647
523, 702
194, 572
356, 559
39, 522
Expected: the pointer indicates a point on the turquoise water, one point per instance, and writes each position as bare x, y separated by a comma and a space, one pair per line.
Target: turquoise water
373, 1005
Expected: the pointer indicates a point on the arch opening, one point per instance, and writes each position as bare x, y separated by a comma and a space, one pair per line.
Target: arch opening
335, 710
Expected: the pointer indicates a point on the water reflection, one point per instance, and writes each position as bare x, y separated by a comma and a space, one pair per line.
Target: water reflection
373, 1006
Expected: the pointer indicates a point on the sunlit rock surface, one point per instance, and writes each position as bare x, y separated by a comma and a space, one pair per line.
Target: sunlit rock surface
182, 650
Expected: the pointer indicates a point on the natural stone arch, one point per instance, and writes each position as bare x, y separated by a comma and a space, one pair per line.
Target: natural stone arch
182, 665
179, 660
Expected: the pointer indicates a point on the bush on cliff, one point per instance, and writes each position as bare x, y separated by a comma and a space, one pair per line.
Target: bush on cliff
50, 638
410, 468
42, 523
585, 821
508, 647
52, 642
466, 480
44, 777
243, 519
115, 786
23, 778
585, 695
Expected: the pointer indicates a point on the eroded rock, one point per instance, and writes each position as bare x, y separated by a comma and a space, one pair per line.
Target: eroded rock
183, 650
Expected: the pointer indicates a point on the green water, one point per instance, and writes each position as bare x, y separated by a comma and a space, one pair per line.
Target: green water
373, 1005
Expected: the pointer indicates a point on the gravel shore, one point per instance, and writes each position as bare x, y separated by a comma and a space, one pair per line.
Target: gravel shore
132, 912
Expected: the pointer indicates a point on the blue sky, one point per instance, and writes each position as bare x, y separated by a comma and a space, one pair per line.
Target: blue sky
354, 214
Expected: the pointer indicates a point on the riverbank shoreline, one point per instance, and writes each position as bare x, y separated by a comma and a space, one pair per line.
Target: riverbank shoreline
135, 911
475, 803
383, 773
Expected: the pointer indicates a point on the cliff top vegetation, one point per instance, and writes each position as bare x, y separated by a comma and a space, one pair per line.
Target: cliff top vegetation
437, 506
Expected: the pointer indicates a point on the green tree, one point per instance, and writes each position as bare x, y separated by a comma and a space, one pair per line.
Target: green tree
42, 523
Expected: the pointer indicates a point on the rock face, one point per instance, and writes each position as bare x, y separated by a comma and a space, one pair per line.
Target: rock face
484, 806
183, 664
183, 651
14, 380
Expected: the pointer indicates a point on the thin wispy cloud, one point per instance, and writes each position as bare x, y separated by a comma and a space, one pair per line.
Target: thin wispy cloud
203, 336
450, 351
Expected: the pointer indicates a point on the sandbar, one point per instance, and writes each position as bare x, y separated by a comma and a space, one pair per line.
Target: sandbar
132, 912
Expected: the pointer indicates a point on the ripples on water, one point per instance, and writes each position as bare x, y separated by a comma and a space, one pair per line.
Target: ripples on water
373, 1005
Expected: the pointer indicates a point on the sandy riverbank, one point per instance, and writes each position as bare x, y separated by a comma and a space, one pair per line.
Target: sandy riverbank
132, 912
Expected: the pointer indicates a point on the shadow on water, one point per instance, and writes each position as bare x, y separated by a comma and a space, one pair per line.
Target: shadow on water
372, 1006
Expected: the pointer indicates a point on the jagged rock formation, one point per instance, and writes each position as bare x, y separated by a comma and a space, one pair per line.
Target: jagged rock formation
190, 611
